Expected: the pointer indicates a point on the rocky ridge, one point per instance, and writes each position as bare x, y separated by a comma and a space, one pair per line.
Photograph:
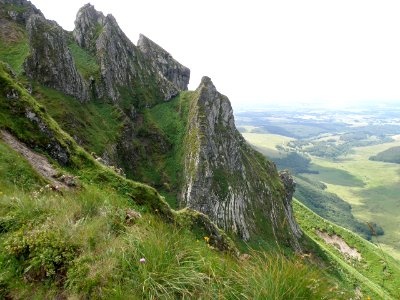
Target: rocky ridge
122, 65
230, 182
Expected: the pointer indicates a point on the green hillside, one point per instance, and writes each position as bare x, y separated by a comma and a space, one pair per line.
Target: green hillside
391, 155
375, 271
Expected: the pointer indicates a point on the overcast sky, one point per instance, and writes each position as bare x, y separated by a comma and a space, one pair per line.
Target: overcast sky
269, 51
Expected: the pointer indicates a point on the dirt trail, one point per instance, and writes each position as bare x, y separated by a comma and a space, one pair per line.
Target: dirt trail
39, 162
339, 243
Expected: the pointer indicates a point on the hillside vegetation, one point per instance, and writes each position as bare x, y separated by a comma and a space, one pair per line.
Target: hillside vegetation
373, 271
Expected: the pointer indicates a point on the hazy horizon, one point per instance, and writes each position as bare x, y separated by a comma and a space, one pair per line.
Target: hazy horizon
266, 52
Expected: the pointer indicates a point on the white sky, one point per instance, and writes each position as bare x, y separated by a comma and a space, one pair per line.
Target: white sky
280, 51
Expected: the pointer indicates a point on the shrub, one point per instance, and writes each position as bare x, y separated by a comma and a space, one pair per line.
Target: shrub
44, 252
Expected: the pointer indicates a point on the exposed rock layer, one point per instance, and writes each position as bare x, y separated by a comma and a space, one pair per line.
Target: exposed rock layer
227, 180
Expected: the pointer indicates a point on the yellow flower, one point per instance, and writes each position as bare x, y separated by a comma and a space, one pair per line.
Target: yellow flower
207, 239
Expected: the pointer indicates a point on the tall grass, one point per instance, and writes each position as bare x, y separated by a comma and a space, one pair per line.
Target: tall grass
105, 260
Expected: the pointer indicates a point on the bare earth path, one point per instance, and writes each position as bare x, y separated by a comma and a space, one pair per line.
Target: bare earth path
39, 162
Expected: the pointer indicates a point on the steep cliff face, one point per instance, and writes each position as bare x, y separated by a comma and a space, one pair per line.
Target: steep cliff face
50, 61
164, 63
227, 180
123, 66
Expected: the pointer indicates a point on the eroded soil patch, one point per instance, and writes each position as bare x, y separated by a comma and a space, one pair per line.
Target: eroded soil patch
340, 244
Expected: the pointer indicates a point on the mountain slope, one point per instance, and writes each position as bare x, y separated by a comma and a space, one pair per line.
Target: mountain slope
104, 236
242, 193
129, 104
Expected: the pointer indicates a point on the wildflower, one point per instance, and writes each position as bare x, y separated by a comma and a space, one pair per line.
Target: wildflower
207, 239
142, 260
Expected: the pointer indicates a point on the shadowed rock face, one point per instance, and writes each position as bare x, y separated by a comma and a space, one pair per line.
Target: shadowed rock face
290, 187
227, 180
164, 63
50, 61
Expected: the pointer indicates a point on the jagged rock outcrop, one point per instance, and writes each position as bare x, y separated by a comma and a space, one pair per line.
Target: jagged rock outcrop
19, 10
164, 63
227, 180
122, 65
50, 61
88, 25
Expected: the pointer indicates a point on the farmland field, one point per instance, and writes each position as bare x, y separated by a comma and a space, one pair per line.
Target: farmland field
371, 187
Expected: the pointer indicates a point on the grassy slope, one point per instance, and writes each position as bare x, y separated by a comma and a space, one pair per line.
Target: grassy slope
328, 205
170, 118
13, 45
309, 191
377, 272
100, 233
80, 243
14, 170
95, 124
85, 61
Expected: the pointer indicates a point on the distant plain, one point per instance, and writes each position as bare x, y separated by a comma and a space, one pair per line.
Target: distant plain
371, 187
